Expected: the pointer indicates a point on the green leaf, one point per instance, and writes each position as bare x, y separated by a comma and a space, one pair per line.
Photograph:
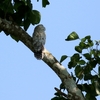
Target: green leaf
81, 62
63, 58
74, 60
75, 57
83, 39
72, 64
80, 87
72, 36
87, 77
26, 24
93, 63
78, 71
78, 49
90, 96
98, 52
87, 56
29, 4
17, 5
7, 6
86, 87
35, 17
98, 60
90, 43
87, 68
45, 2
88, 37
83, 45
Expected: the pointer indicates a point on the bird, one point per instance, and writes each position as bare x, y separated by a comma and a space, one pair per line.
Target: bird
39, 39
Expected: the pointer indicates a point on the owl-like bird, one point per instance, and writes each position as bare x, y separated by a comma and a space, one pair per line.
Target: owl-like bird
39, 39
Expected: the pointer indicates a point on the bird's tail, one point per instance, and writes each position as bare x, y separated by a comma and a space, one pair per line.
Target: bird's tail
39, 54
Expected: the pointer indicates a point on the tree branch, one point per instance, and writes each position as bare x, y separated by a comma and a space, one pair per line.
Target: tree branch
49, 59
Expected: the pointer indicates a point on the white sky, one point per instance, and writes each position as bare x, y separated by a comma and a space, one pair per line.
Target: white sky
22, 77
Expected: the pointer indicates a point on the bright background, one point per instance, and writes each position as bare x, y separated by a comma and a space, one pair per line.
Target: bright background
22, 77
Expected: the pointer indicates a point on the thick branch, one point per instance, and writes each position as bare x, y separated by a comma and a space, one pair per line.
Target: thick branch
12, 29
49, 59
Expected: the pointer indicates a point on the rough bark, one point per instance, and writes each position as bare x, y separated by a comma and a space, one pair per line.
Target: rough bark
73, 92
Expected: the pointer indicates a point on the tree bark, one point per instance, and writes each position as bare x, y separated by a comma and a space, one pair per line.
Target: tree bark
74, 93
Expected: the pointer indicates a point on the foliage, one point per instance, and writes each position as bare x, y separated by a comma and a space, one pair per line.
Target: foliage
84, 62
20, 12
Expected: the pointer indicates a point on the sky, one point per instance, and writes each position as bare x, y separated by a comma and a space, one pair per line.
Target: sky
23, 77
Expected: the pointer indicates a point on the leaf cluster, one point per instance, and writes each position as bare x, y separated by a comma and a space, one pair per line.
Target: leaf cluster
20, 12
85, 61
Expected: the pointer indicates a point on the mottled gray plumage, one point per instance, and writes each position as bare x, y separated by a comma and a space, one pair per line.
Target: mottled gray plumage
39, 39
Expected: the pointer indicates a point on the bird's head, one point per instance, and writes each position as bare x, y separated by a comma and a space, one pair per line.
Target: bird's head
40, 27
